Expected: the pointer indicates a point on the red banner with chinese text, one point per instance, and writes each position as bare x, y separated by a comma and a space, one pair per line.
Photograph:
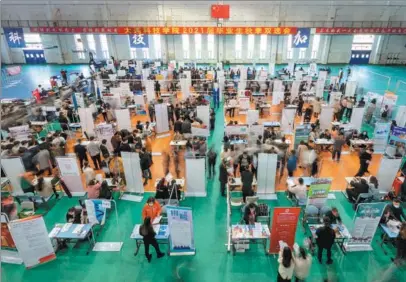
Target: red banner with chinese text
361, 30
284, 223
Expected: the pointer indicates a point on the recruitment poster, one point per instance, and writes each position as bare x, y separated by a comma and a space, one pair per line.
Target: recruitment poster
301, 134
236, 129
318, 192
30, 236
398, 134
366, 220
381, 134
180, 224
6, 238
284, 223
96, 211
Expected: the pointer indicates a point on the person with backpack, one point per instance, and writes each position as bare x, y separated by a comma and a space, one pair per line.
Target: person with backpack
325, 240
148, 234
244, 160
211, 159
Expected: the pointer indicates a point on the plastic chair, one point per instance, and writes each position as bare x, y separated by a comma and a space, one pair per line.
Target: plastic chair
324, 210
311, 215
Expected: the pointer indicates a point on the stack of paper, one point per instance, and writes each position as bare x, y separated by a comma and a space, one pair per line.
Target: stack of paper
78, 229
66, 227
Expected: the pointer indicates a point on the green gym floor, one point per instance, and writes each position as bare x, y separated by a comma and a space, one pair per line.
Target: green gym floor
212, 262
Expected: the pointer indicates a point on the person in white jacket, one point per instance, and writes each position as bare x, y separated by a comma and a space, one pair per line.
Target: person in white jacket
286, 265
303, 263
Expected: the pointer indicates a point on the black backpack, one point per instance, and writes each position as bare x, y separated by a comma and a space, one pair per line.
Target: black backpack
385, 114
105, 191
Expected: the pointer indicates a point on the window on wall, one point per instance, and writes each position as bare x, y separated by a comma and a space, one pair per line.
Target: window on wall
104, 46
145, 53
315, 46
33, 41
362, 42
91, 43
251, 43
289, 51
210, 46
302, 53
198, 46
80, 50
238, 46
262, 46
185, 44
133, 52
157, 45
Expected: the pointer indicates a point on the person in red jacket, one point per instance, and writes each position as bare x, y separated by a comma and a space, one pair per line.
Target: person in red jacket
151, 209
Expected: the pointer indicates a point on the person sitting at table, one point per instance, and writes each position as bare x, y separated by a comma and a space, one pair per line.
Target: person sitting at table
88, 172
393, 212
298, 190
373, 183
334, 216
251, 212
363, 136
325, 240
161, 190
151, 209
148, 234
358, 186
401, 246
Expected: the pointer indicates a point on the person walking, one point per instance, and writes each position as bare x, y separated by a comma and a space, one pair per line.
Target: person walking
80, 152
94, 151
325, 240
338, 146
211, 159
364, 160
291, 163
286, 265
43, 159
148, 235
303, 263
223, 177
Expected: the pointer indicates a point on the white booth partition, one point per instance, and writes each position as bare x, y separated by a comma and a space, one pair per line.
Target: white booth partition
161, 114
387, 173
356, 118
149, 88
195, 177
350, 88
326, 117
288, 120
203, 113
123, 119
266, 178
86, 120
105, 131
133, 173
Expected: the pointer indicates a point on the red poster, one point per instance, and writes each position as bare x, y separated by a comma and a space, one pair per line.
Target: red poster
284, 223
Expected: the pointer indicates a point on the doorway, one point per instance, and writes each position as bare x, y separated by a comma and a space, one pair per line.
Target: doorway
34, 57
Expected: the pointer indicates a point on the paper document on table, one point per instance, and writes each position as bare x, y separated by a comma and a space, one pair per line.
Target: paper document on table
78, 229
156, 220
257, 231
66, 227
54, 232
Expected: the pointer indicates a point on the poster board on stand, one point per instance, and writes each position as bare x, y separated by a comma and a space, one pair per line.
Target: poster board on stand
149, 88
401, 116
105, 131
271, 68
295, 89
320, 88
312, 69
301, 134
203, 113
381, 133
335, 97
318, 192
195, 177
350, 88
123, 119
86, 120
266, 175
161, 114
284, 223
244, 103
326, 117
252, 117
180, 224
32, 241
387, 172
288, 120
70, 174
357, 117
256, 130
13, 168
132, 172
236, 129
366, 221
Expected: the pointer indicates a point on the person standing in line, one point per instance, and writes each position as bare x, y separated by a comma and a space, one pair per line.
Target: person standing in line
325, 240
338, 146
364, 160
247, 177
157, 89
300, 106
211, 159
303, 263
148, 235
223, 177
286, 265
94, 151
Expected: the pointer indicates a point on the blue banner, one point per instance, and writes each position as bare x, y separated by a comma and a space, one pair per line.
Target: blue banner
139, 41
398, 134
180, 224
301, 38
14, 37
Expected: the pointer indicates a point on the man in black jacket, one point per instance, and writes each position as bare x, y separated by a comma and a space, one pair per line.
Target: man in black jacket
325, 240
178, 125
364, 160
247, 177
358, 186
223, 177
80, 152
124, 146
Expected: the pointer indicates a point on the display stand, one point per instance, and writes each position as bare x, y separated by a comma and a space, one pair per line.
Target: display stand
335, 97
256, 130
14, 168
133, 175
252, 117
357, 117
401, 116
381, 134
203, 113
326, 117
70, 174
244, 104
195, 177
271, 68
180, 223
350, 88
387, 173
238, 129
221, 83
105, 131
86, 120
312, 69
278, 92
301, 134
295, 89
284, 224
123, 118
161, 114
184, 86
267, 164
242, 84
20, 133
149, 88
320, 88
366, 221
288, 120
